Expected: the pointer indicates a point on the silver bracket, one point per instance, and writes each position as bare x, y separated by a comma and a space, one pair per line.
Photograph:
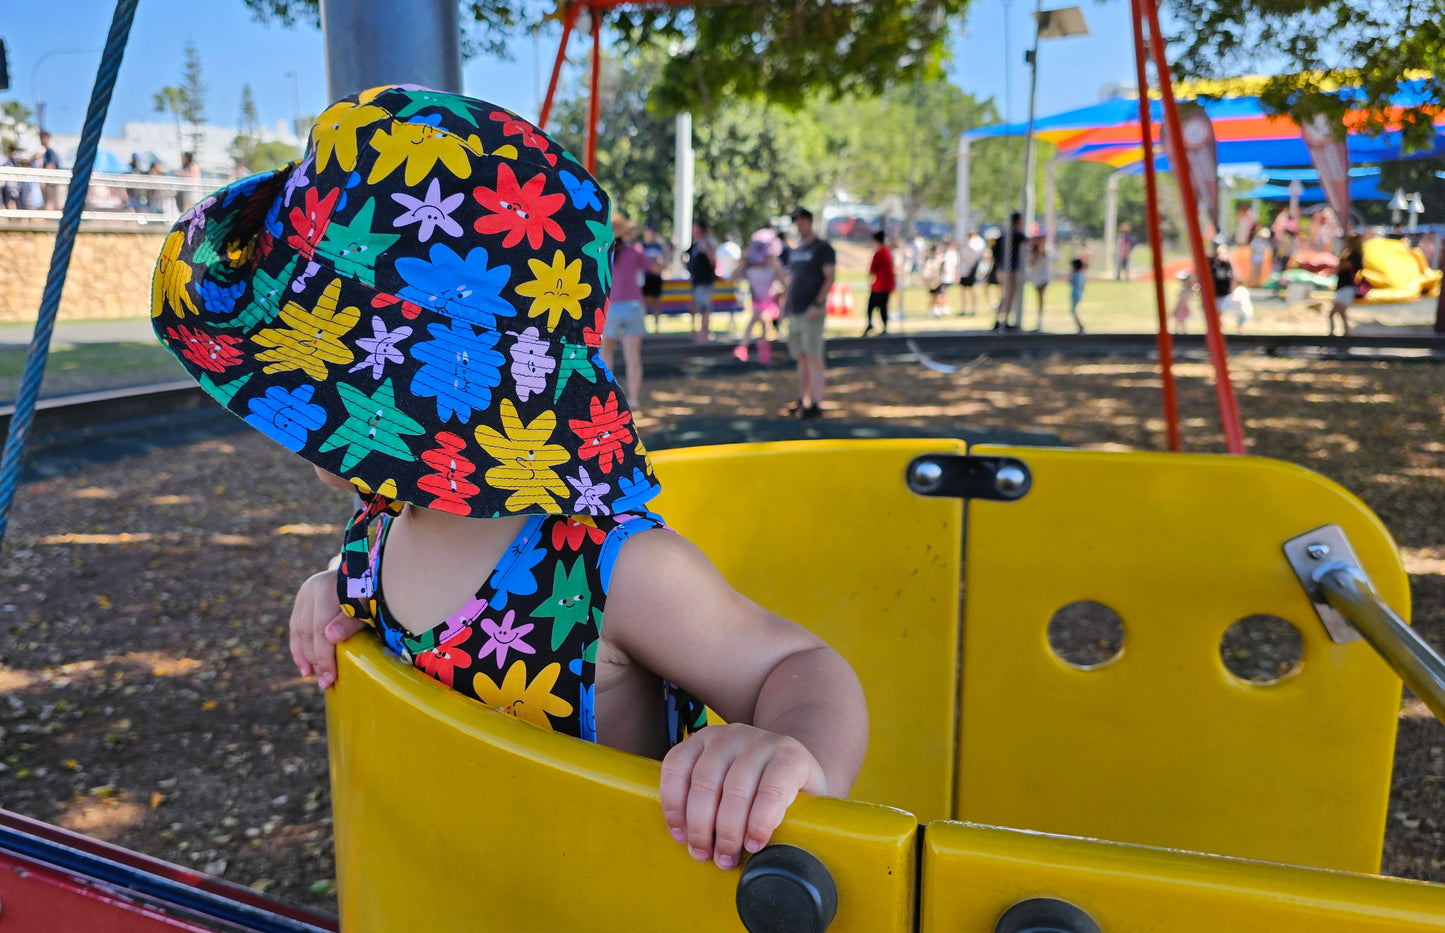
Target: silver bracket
1309, 555
959, 476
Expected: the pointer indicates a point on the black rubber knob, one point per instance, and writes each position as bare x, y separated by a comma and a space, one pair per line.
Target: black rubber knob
786, 890
1045, 915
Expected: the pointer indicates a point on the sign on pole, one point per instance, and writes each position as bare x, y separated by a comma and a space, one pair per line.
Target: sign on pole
1331, 157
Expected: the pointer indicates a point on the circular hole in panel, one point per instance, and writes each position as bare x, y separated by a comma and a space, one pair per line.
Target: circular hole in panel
1086, 634
1261, 649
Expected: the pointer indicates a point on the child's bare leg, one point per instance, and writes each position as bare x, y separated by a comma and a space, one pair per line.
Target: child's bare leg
632, 356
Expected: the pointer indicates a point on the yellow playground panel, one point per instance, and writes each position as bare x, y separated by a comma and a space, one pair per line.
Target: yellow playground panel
974, 718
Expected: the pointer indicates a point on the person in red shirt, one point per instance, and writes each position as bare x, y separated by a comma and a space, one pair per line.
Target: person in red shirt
881, 269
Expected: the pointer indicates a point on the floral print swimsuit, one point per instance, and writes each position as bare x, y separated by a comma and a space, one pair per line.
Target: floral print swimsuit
526, 643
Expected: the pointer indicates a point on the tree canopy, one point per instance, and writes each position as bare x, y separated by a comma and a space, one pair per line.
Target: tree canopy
720, 51
1326, 56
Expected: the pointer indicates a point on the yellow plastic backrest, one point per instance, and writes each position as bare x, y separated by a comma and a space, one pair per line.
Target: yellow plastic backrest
826, 533
972, 874
1163, 746
451, 816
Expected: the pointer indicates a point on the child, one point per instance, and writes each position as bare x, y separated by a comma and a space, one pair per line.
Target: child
762, 271
1076, 289
880, 268
413, 309
1187, 288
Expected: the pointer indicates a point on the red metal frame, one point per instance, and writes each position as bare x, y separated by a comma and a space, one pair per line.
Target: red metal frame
569, 19
1214, 339
595, 104
1156, 243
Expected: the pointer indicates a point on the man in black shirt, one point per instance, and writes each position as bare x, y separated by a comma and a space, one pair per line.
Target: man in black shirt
812, 265
1011, 275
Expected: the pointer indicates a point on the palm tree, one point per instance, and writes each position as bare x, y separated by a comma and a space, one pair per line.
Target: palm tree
175, 101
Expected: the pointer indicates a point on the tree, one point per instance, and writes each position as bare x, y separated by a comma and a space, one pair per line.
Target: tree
929, 116
249, 124
15, 119
635, 165
171, 99
719, 52
193, 100
1367, 48
754, 161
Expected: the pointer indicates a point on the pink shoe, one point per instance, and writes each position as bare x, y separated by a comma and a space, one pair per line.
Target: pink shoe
765, 353
741, 352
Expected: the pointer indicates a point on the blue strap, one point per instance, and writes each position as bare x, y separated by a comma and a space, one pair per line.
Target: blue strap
13, 459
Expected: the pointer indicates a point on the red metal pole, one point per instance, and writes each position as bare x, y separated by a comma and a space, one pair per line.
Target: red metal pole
1214, 338
594, 106
1156, 239
568, 19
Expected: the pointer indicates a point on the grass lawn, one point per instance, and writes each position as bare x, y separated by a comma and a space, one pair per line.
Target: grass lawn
90, 367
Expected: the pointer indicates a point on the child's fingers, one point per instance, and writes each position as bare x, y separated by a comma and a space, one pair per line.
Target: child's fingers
704, 794
323, 654
777, 789
739, 788
298, 652
342, 627
676, 779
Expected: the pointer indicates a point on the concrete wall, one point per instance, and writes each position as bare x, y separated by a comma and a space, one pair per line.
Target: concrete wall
110, 274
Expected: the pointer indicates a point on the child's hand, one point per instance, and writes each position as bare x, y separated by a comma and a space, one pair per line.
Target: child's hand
728, 786
317, 626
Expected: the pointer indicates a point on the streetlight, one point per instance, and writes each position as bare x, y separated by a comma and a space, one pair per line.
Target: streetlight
1406, 202
35, 79
1050, 24
295, 104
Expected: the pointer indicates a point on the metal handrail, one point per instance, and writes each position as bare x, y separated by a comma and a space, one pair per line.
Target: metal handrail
1348, 590
61, 176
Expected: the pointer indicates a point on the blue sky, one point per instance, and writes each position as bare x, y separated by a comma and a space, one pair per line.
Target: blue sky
54, 50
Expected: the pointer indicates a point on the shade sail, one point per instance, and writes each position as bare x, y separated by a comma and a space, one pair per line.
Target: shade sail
1109, 132
1361, 189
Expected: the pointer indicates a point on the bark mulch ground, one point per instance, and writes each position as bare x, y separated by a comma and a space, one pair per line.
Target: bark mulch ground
147, 696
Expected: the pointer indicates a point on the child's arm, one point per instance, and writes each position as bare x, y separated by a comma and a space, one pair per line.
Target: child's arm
317, 626
796, 713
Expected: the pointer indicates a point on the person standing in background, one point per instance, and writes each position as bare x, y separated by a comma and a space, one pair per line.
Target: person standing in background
48, 159
812, 266
702, 271
191, 172
626, 317
880, 268
659, 254
1077, 279
1126, 246
971, 258
1011, 275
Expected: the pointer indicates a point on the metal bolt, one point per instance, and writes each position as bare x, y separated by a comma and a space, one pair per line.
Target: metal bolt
927, 476
1010, 480
1317, 551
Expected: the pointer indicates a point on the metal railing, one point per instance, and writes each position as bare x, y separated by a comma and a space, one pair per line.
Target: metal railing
160, 198
1350, 593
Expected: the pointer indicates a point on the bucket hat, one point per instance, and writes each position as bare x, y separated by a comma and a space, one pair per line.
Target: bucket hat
415, 306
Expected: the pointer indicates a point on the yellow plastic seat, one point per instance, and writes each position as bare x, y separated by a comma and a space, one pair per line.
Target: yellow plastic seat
1162, 747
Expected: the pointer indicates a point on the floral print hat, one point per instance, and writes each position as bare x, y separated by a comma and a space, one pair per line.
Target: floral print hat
415, 306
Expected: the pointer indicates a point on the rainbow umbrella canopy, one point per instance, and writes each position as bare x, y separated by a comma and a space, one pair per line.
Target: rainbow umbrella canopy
1109, 132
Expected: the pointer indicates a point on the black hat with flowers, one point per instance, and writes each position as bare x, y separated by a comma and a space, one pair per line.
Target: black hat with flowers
415, 306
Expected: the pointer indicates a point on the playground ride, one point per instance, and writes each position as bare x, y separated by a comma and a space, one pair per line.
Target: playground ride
1397, 271
1010, 785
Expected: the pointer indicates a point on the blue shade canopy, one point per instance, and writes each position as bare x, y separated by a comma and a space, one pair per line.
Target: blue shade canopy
1363, 189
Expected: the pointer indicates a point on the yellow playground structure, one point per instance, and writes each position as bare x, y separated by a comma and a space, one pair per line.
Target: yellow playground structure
1006, 789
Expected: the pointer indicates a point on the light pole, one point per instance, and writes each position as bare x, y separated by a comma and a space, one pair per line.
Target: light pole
35, 79
295, 103
1049, 24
